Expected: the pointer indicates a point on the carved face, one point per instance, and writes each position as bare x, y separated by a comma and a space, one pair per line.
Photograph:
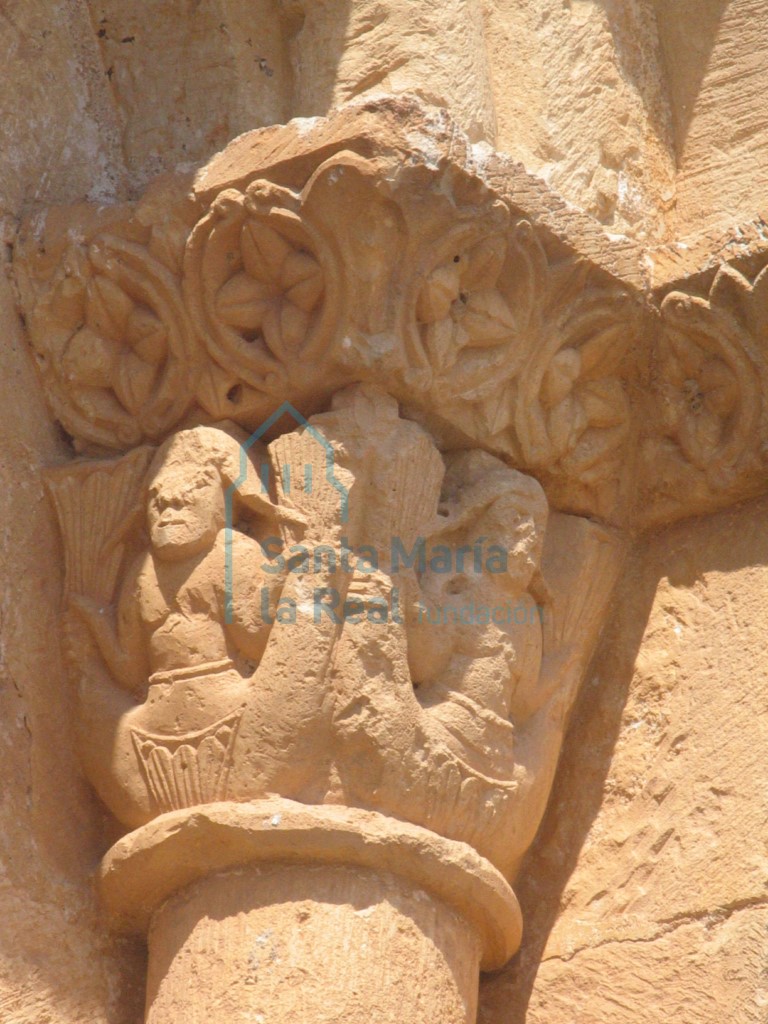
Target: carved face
185, 510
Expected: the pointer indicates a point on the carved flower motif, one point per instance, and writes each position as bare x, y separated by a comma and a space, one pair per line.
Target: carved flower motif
572, 411
701, 394
708, 380
585, 411
275, 293
115, 345
257, 281
461, 314
706, 444
120, 345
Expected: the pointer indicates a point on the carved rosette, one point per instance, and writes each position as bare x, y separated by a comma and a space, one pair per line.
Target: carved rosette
572, 414
531, 353
709, 380
113, 343
263, 290
460, 328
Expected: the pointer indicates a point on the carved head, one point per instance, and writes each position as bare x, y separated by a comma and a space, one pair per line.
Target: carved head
484, 497
186, 484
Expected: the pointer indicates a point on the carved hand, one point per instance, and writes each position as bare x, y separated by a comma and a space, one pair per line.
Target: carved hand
125, 669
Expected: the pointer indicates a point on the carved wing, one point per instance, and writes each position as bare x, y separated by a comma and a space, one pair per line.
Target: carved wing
97, 503
581, 564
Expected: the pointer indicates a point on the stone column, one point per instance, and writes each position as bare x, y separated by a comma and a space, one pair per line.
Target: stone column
277, 911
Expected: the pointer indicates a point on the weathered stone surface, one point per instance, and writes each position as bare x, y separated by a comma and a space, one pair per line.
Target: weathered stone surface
653, 850
59, 136
714, 58
346, 51
581, 102
641, 127
56, 962
186, 78
703, 973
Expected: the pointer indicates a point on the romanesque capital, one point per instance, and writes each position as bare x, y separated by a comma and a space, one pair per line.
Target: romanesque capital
363, 417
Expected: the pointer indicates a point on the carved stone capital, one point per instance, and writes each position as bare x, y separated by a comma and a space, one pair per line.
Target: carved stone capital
347, 380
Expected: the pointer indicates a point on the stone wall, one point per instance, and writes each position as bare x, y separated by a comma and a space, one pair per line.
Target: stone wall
56, 964
646, 895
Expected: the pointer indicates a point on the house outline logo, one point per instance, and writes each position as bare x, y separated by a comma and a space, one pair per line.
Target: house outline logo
229, 494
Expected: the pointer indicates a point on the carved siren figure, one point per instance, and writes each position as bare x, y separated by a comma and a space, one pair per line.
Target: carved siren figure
407, 681
162, 676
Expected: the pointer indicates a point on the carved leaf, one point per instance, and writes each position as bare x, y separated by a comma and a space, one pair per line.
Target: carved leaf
107, 308
294, 324
438, 294
271, 329
243, 301
597, 448
147, 335
719, 385
134, 382
90, 359
307, 294
483, 263
566, 422
68, 301
443, 341
264, 252
561, 374
96, 502
525, 278
487, 319
302, 280
604, 403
